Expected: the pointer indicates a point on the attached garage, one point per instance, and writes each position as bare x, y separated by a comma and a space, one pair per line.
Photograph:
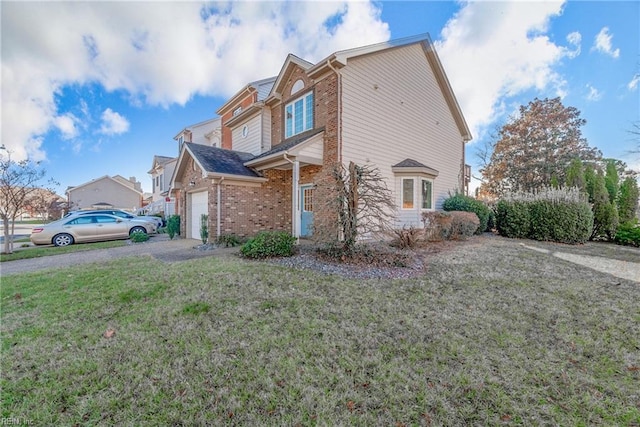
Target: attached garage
197, 204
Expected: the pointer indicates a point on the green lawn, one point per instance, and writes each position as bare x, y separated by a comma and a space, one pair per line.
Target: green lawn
488, 339
40, 251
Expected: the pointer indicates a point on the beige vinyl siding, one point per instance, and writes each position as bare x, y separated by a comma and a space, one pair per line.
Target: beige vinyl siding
266, 129
313, 148
252, 143
168, 173
393, 109
104, 190
200, 130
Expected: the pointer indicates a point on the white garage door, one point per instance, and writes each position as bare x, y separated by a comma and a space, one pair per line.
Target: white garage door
199, 205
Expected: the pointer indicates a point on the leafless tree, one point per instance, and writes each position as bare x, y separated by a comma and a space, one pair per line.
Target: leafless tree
17, 186
360, 203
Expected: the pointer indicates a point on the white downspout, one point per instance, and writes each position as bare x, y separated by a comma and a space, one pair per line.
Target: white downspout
295, 197
218, 208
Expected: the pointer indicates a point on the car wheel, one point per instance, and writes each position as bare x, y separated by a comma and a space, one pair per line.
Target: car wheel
137, 230
62, 240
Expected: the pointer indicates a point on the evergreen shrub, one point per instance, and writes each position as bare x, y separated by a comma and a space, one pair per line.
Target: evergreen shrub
512, 219
628, 234
460, 202
173, 226
268, 244
552, 214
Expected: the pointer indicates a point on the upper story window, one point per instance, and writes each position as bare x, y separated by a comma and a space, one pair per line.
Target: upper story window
299, 115
297, 86
237, 111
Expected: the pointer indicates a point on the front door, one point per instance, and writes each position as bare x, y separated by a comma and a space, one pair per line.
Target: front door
306, 210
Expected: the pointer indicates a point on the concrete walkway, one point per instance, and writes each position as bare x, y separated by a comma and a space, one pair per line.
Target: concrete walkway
159, 247
622, 269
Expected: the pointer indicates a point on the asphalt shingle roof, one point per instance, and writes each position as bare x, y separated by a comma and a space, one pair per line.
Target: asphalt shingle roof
410, 163
290, 143
219, 160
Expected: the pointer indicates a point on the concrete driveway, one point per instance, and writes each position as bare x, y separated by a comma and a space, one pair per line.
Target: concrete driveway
159, 247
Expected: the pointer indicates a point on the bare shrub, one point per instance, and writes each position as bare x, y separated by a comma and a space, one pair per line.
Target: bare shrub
407, 237
453, 225
360, 204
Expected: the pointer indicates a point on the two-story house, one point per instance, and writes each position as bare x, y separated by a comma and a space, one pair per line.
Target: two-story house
106, 192
163, 202
161, 172
389, 105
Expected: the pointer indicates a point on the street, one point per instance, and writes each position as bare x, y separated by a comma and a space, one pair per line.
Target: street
20, 231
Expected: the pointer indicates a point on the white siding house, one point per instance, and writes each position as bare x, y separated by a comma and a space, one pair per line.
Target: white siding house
395, 108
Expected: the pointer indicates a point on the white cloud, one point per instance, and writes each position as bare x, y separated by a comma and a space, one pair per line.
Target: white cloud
575, 39
633, 84
66, 124
159, 53
593, 93
603, 44
113, 123
493, 51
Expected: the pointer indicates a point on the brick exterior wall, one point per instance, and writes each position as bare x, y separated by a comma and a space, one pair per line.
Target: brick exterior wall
325, 114
249, 209
246, 209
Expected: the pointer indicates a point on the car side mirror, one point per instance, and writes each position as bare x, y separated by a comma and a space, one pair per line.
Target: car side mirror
119, 220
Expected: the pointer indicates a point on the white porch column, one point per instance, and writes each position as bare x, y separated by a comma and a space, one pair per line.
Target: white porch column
295, 200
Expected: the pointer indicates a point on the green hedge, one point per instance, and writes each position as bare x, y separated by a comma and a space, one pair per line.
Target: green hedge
269, 244
512, 219
566, 222
460, 202
552, 215
628, 234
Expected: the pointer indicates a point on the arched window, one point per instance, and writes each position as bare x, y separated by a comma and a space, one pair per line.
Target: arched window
297, 86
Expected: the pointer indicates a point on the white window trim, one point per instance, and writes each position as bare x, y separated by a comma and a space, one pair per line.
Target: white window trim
432, 208
304, 115
402, 180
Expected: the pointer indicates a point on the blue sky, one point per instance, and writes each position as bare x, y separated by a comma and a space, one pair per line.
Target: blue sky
98, 88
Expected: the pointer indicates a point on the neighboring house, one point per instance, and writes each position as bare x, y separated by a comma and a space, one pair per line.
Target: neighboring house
207, 133
161, 171
107, 192
162, 202
39, 203
388, 105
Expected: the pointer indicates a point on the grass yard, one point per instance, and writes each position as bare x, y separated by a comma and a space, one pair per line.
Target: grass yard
491, 335
40, 251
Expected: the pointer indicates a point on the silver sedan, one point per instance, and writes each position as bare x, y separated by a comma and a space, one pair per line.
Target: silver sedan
88, 228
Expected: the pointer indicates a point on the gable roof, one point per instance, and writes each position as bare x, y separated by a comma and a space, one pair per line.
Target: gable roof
216, 163
117, 178
262, 87
341, 59
291, 62
221, 161
160, 161
196, 125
